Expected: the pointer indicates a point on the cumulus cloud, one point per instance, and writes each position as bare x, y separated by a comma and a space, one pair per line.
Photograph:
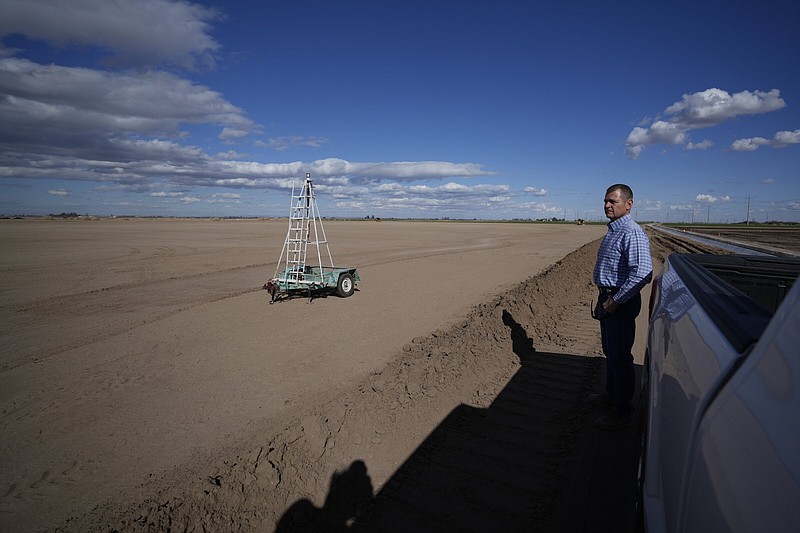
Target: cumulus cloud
535, 191
396, 170
539, 208
781, 139
748, 145
710, 199
139, 166
785, 138
144, 33
47, 108
425, 200
55, 117
450, 189
705, 145
714, 106
700, 110
57, 192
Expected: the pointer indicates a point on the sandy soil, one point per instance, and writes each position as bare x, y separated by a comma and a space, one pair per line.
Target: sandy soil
147, 385
146, 382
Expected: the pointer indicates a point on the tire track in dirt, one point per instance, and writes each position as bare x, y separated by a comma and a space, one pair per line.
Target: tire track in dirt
87, 317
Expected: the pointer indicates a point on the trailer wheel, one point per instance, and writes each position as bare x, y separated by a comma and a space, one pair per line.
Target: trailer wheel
345, 287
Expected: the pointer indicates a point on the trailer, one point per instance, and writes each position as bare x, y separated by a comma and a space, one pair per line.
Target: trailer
309, 280
294, 276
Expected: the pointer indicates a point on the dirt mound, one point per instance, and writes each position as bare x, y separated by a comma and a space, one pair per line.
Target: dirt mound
489, 411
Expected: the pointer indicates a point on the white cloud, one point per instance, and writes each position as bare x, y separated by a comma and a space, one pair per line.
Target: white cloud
282, 144
700, 110
785, 138
648, 204
164, 194
748, 145
222, 201
707, 198
780, 140
714, 106
535, 191
141, 33
448, 189
49, 107
57, 192
396, 170
448, 199
330, 171
679, 207
539, 208
705, 145
229, 133
230, 154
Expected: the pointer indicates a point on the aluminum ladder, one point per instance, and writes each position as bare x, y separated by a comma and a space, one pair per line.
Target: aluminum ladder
305, 228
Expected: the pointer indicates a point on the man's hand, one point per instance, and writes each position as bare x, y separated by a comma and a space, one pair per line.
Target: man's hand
610, 305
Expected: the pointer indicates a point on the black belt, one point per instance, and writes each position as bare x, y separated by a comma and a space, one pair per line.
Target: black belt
608, 290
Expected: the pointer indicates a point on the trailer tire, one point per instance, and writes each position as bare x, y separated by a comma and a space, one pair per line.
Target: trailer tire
345, 287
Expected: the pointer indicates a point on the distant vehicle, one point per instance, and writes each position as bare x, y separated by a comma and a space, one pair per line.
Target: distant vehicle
722, 387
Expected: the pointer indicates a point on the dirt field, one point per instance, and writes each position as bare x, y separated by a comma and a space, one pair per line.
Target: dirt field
786, 238
146, 383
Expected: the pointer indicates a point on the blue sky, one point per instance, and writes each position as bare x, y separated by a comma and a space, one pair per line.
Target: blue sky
460, 109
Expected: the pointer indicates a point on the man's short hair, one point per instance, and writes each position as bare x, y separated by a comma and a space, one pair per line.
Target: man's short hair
624, 190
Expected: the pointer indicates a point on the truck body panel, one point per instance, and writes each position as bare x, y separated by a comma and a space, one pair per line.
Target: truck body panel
713, 424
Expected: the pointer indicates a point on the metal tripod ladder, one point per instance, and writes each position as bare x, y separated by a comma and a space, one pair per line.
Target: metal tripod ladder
305, 228
297, 276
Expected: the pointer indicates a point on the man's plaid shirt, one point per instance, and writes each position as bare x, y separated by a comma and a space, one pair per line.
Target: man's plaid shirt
623, 261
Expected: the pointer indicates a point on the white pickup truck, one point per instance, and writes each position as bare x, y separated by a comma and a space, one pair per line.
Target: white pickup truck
721, 382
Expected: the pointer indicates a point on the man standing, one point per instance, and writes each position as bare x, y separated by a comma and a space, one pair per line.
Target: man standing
623, 268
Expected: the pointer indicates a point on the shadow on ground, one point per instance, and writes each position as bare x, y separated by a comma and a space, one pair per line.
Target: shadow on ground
531, 461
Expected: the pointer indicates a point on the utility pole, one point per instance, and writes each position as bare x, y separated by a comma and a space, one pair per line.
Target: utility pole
708, 214
747, 222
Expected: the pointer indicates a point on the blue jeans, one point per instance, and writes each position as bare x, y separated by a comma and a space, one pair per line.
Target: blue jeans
617, 331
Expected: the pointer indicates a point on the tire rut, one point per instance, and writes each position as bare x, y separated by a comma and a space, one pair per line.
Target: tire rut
87, 317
